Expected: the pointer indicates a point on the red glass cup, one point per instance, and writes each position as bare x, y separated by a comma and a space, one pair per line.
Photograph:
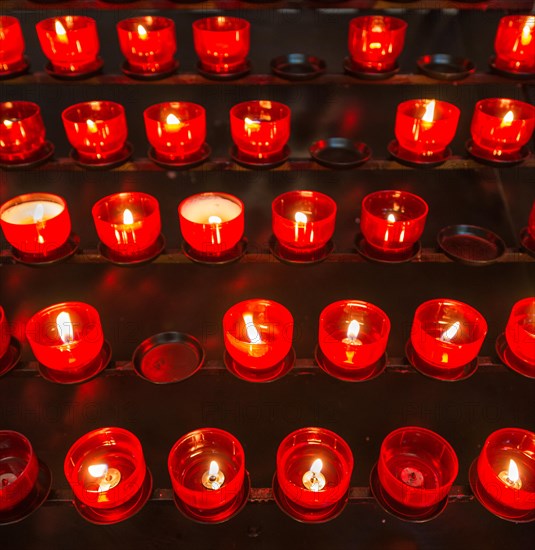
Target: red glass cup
5, 334
258, 338
520, 333
66, 339
424, 128
128, 224
314, 468
501, 127
416, 467
392, 222
212, 224
176, 130
375, 42
19, 468
36, 224
222, 43
531, 222
515, 44
260, 129
447, 335
303, 222
96, 129
353, 335
106, 471
205, 491
148, 43
11, 45
70, 42
22, 132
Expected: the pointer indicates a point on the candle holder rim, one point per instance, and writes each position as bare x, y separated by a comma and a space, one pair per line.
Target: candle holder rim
284, 110
243, 24
361, 21
34, 108
10, 20
151, 111
521, 17
404, 105
122, 196
267, 302
507, 103
49, 23
359, 303
392, 193
306, 194
130, 23
116, 108
32, 197
227, 196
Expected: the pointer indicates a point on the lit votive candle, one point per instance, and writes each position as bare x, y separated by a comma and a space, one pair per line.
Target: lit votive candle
515, 44
520, 337
11, 46
207, 470
314, 468
148, 43
36, 224
503, 477
212, 224
128, 224
107, 474
70, 42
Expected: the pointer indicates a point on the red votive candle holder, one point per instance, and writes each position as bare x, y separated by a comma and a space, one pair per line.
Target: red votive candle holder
38, 227
10, 347
515, 45
71, 44
503, 476
501, 129
68, 343
149, 45
446, 337
176, 132
212, 226
260, 131
303, 225
22, 135
314, 468
12, 46
108, 476
128, 226
391, 223
516, 347
222, 44
24, 480
414, 474
207, 470
258, 340
424, 129
97, 130
375, 42
352, 340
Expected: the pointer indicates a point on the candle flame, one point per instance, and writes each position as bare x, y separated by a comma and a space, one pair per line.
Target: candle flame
128, 218
429, 114
525, 38
252, 331
391, 218
214, 219
317, 466
142, 32
251, 124
513, 474
172, 120
60, 30
91, 126
507, 120
65, 327
451, 332
8, 123
300, 217
98, 470
38, 213
353, 330
213, 470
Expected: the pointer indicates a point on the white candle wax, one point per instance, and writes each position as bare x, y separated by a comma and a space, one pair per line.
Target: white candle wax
200, 209
31, 212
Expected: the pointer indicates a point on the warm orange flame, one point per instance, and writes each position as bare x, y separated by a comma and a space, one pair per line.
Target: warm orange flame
429, 115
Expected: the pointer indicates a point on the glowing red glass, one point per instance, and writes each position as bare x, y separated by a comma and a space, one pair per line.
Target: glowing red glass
353, 334
36, 223
96, 456
189, 467
258, 333
5, 333
127, 223
19, 468
96, 129
11, 45
514, 490
176, 130
501, 126
425, 127
298, 454
375, 42
515, 44
303, 221
70, 42
447, 334
211, 223
22, 132
531, 222
260, 129
148, 43
520, 331
66, 337
417, 467
393, 221
222, 43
